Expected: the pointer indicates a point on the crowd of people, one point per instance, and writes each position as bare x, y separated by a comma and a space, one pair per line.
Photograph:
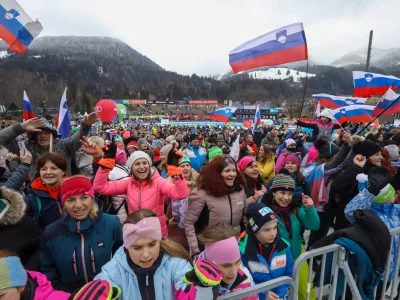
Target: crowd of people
175, 212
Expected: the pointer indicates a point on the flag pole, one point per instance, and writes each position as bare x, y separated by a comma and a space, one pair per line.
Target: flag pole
305, 90
51, 143
378, 115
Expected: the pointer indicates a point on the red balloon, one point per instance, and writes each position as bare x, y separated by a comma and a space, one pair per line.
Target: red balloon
107, 110
247, 123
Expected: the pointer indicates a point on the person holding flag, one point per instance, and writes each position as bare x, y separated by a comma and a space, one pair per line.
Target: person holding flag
322, 127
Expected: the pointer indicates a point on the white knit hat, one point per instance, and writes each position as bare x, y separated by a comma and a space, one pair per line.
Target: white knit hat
135, 156
290, 142
325, 113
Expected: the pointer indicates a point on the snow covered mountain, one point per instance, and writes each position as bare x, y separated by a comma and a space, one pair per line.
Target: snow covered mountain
270, 74
380, 58
279, 73
77, 47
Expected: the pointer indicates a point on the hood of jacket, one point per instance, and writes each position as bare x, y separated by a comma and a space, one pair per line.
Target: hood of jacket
16, 210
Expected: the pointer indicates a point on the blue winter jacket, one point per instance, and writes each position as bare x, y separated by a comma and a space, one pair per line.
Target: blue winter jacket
73, 252
197, 156
367, 279
168, 279
388, 213
279, 263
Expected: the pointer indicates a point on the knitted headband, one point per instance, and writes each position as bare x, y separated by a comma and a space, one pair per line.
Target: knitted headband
76, 186
149, 228
227, 161
12, 273
222, 252
283, 182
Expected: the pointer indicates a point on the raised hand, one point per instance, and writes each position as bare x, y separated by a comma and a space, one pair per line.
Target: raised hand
33, 125
307, 201
91, 118
90, 148
26, 157
360, 160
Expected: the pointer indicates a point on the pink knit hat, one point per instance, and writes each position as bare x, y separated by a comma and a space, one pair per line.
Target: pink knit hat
245, 162
120, 158
293, 158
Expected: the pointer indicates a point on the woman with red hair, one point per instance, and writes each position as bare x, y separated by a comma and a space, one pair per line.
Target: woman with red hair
219, 197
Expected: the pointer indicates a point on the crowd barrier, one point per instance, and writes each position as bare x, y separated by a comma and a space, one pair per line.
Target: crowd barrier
393, 233
339, 262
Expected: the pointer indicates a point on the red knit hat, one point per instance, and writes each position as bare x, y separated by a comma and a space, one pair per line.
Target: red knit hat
75, 186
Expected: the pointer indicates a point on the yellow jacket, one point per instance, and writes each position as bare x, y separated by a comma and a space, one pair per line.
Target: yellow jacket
267, 170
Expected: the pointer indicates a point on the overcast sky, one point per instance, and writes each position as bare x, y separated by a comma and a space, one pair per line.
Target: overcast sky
196, 36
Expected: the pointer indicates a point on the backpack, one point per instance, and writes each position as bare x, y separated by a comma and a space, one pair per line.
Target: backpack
36, 203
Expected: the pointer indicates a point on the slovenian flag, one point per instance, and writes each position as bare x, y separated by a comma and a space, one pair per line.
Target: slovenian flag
353, 113
222, 114
284, 45
27, 111
371, 84
63, 123
337, 101
257, 119
17, 29
390, 98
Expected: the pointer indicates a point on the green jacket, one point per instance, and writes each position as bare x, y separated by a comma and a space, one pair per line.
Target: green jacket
308, 217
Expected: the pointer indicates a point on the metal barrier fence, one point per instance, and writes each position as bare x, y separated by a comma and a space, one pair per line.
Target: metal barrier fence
393, 233
339, 262
262, 287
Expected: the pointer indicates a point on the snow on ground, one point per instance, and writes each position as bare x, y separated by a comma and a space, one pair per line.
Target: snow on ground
279, 73
4, 54
349, 63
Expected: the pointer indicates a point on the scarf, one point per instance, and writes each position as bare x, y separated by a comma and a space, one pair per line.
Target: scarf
284, 214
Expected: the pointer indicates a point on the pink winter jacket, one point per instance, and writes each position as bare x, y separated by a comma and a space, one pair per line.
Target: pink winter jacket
44, 290
229, 209
141, 194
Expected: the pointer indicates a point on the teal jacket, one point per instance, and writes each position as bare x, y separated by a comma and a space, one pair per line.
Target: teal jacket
301, 215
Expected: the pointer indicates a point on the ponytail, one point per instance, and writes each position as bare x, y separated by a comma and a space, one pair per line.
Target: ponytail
175, 250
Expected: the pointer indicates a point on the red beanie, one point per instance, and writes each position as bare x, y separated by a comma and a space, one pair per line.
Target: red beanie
75, 186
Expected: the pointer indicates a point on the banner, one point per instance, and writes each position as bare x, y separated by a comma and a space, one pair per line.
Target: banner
203, 102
